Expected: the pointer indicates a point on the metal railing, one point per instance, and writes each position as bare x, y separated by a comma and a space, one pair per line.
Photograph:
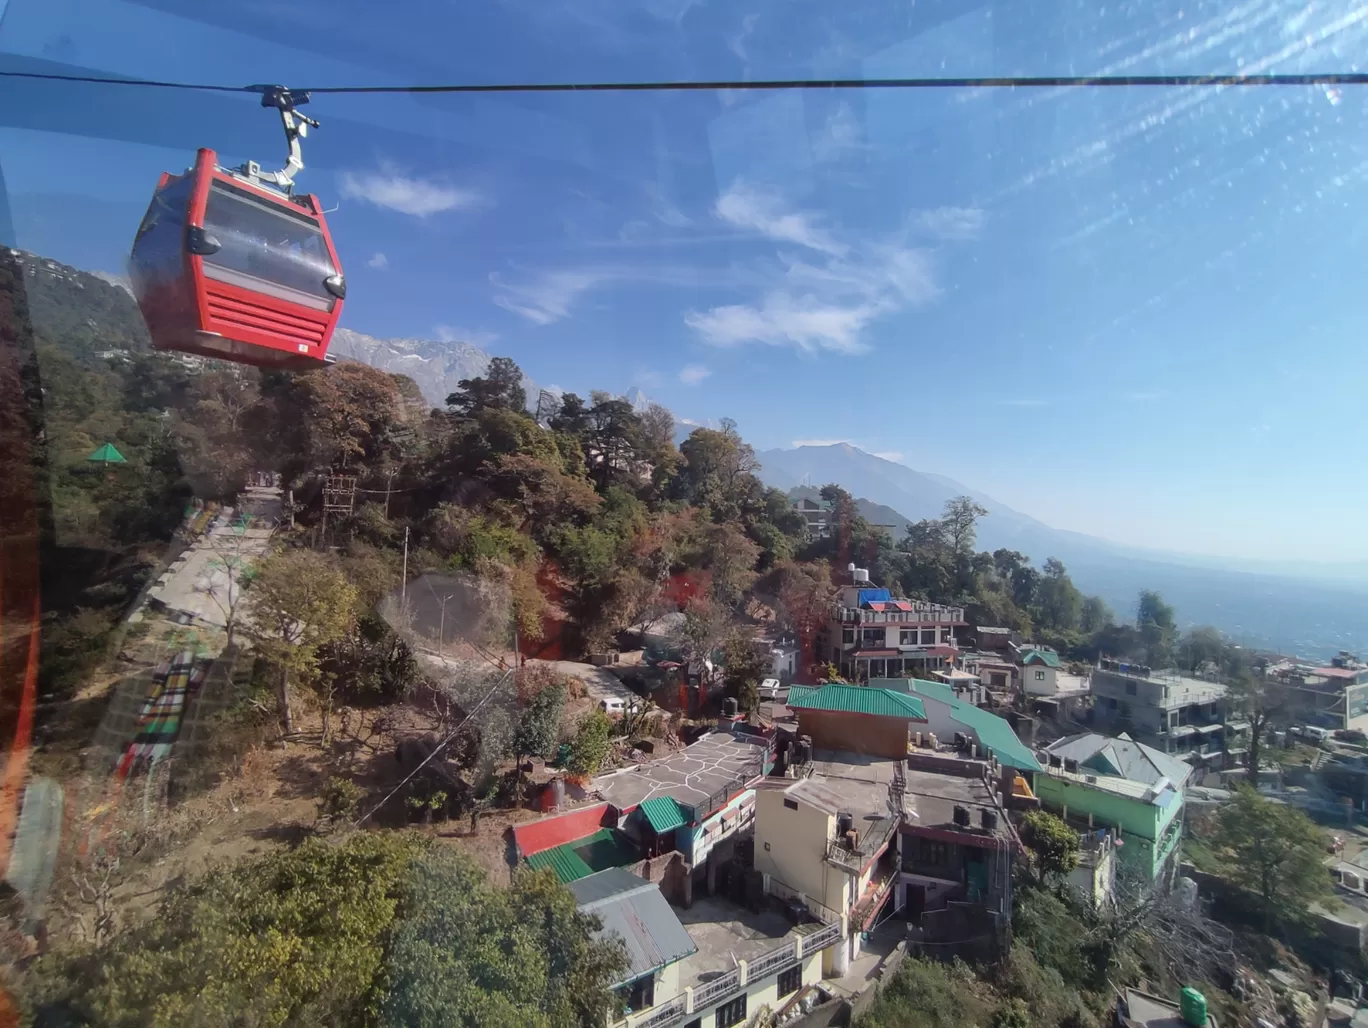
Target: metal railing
821, 939
874, 896
817, 909
719, 988
667, 1014
946, 616
773, 961
853, 860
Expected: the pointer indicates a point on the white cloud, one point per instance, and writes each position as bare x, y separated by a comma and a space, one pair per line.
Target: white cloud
785, 320
952, 222
379, 262
692, 374
548, 297
454, 334
823, 298
745, 206
415, 196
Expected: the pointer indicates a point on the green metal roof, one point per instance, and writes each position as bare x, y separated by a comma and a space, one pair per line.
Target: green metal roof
572, 861
107, 454
994, 734
563, 860
1047, 657
857, 699
665, 813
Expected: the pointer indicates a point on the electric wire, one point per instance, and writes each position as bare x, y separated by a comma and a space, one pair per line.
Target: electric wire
943, 82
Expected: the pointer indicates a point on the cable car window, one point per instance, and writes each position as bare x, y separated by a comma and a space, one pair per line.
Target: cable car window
158, 242
266, 241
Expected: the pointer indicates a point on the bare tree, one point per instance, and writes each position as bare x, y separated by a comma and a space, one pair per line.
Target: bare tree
1194, 946
232, 561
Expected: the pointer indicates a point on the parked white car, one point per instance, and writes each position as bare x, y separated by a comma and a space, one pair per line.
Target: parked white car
616, 706
769, 689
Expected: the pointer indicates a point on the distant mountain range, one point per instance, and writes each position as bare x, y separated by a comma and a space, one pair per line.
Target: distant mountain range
1305, 609
436, 367
1300, 613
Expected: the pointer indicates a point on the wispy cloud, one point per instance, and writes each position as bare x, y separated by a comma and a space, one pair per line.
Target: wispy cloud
378, 261
1024, 402
746, 206
551, 294
548, 296
647, 378
398, 192
893, 455
952, 222
840, 135
813, 303
454, 334
692, 374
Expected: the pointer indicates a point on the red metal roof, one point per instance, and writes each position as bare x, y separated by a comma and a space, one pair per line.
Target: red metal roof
1336, 672
559, 829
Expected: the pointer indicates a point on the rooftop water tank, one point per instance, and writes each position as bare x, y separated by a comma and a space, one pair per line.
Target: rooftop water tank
1193, 1006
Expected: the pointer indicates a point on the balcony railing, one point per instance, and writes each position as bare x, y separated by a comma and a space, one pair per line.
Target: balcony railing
853, 859
851, 615
821, 939
667, 1014
875, 893
719, 988
771, 963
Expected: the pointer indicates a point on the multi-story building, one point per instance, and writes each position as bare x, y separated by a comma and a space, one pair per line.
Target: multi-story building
718, 970
1175, 714
1333, 696
816, 514
1131, 791
871, 634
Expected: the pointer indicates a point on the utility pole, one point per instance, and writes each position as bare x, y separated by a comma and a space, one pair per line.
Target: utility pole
403, 587
389, 480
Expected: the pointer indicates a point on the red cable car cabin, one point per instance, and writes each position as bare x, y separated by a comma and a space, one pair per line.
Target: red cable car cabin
225, 268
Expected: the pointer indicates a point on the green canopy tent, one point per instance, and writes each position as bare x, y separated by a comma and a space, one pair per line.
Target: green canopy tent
107, 455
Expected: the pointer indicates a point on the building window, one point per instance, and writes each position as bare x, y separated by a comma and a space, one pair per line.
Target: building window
1130, 688
873, 636
946, 635
697, 1022
791, 804
907, 637
1040, 676
732, 1013
848, 636
790, 980
931, 852
928, 637
640, 994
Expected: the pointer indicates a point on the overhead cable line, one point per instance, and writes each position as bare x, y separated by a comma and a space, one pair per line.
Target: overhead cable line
952, 82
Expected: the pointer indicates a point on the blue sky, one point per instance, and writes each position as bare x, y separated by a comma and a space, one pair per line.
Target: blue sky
1134, 314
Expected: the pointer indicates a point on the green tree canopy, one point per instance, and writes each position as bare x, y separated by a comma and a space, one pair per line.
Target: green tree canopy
1276, 854
472, 956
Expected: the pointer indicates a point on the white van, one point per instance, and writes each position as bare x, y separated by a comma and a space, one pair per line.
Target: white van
769, 689
616, 706
1315, 733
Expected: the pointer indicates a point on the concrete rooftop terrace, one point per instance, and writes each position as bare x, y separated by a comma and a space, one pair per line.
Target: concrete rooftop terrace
932, 797
856, 783
690, 775
722, 930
